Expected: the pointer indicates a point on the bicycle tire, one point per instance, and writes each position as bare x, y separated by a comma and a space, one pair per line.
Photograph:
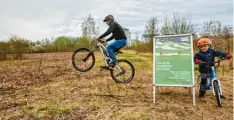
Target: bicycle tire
77, 67
217, 93
125, 80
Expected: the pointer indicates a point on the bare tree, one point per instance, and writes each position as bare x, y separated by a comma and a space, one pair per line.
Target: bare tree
89, 27
227, 33
151, 28
166, 27
211, 28
180, 24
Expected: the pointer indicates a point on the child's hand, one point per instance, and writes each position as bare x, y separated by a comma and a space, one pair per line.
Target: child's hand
197, 61
228, 56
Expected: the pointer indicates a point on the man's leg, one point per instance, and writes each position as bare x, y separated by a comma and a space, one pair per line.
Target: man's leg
110, 49
117, 44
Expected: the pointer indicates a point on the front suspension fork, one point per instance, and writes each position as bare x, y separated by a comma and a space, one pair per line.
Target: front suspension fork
219, 85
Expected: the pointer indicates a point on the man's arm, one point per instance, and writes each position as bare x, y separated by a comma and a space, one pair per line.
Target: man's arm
110, 30
109, 39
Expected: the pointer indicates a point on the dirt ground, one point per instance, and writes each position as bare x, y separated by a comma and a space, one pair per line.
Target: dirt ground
46, 86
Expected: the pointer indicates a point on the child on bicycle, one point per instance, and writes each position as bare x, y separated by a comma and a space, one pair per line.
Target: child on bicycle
117, 33
206, 54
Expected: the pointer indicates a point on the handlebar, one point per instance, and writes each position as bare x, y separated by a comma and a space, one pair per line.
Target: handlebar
100, 40
208, 63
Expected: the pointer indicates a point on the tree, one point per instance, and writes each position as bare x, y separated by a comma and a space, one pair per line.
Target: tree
227, 33
180, 24
18, 46
62, 43
211, 28
88, 27
166, 27
151, 28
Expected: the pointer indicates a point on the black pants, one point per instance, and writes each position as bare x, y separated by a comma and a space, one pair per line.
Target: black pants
202, 90
204, 77
203, 81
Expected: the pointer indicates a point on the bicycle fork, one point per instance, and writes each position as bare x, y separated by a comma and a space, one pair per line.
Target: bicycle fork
219, 85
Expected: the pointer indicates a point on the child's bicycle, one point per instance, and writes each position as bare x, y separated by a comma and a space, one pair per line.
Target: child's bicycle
83, 60
213, 81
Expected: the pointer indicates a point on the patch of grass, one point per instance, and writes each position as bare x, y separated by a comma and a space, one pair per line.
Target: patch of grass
144, 117
114, 115
135, 116
54, 108
6, 63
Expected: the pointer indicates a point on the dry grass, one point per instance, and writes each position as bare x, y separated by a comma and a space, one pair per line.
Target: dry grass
46, 86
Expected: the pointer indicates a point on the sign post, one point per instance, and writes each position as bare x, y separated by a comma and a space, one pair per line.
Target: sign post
173, 62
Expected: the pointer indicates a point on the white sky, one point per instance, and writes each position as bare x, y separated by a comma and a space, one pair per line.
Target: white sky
36, 20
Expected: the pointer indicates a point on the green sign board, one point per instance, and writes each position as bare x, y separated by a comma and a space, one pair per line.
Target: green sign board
173, 60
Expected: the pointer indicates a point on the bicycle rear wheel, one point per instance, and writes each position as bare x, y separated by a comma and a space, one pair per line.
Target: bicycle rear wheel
83, 60
217, 93
123, 72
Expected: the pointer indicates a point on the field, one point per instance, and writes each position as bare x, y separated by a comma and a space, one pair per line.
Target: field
46, 86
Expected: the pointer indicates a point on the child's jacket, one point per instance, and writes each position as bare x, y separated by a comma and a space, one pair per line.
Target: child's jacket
208, 56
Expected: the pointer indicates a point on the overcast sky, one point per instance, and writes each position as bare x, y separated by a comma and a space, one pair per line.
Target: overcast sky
37, 19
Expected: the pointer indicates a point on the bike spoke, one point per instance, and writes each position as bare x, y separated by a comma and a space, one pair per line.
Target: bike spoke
78, 60
122, 71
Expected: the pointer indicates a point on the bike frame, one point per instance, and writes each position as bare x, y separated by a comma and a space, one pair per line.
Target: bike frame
213, 78
103, 51
104, 54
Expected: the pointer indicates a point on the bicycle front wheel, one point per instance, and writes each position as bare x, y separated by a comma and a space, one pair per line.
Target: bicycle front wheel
123, 72
217, 93
83, 60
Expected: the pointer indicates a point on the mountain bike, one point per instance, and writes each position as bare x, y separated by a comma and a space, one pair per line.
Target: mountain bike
213, 81
83, 60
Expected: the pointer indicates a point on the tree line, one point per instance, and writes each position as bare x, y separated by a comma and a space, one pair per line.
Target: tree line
221, 36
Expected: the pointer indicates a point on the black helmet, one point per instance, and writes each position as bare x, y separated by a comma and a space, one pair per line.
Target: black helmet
111, 17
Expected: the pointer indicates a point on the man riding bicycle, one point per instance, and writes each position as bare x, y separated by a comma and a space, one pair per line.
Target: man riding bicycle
118, 34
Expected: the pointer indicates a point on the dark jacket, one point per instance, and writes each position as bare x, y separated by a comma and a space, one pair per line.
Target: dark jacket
208, 56
116, 30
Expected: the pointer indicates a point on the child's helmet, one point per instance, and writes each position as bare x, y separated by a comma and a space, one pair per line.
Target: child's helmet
204, 41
